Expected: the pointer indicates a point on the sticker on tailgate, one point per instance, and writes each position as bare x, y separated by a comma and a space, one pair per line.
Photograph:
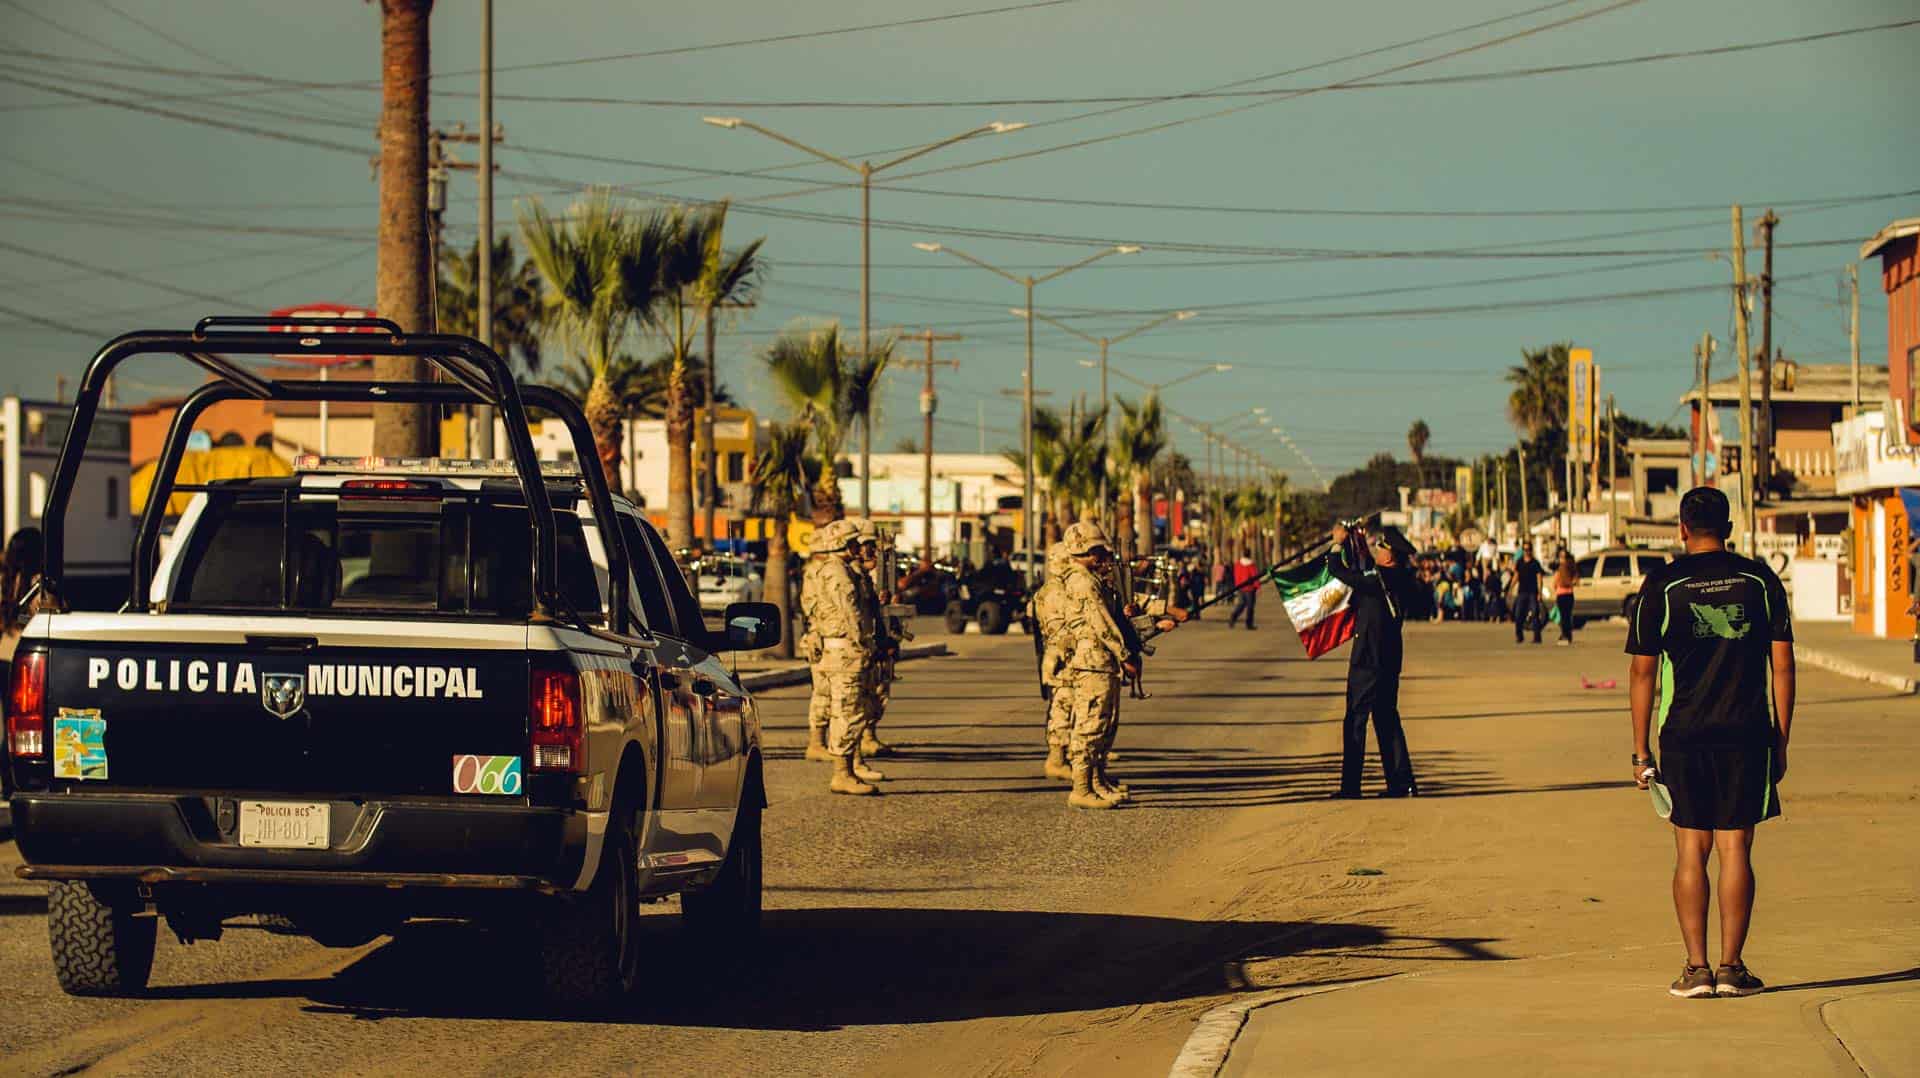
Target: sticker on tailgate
79, 744
499, 775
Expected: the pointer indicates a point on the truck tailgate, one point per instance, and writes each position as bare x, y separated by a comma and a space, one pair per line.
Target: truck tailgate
293, 706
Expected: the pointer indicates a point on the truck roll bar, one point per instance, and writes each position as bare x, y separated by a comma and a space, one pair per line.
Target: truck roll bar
480, 376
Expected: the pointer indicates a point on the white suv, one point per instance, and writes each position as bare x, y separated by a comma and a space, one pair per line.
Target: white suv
1611, 578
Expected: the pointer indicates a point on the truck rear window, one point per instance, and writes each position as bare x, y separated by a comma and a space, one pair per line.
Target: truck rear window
462, 556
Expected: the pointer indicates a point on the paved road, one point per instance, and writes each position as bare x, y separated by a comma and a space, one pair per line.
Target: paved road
968, 923
967, 908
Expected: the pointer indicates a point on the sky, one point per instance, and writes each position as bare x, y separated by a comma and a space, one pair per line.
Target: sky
1362, 255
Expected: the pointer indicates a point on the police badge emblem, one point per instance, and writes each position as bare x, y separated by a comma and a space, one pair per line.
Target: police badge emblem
283, 695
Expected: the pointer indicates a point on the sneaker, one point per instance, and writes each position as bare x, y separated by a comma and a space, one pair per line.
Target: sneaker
1694, 982
1563, 643
1736, 981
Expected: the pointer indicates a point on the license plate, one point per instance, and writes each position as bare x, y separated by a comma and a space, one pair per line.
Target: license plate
285, 825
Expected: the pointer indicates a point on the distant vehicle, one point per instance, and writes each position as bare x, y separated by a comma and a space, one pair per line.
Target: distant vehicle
99, 517
990, 598
1609, 580
725, 580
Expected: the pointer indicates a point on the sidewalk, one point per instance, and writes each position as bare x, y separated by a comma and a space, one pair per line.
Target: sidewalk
1834, 645
1517, 915
1833, 1008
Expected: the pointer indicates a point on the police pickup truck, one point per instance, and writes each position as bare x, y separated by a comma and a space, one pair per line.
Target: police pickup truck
381, 689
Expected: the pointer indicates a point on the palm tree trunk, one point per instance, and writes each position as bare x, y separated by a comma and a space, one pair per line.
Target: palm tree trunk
603, 418
402, 280
777, 591
1143, 514
1123, 527
679, 459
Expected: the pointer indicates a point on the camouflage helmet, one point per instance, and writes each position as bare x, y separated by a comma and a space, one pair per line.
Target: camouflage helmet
832, 536
1084, 537
864, 530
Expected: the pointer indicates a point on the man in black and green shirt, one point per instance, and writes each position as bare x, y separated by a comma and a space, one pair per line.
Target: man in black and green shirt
1712, 647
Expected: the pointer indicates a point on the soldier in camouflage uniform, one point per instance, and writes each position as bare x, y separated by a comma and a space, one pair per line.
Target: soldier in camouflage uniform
1098, 654
867, 570
830, 600
1047, 613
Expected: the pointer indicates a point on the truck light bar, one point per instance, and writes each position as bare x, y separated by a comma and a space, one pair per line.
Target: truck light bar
313, 463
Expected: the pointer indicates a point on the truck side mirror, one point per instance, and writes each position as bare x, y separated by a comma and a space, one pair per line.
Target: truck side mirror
750, 626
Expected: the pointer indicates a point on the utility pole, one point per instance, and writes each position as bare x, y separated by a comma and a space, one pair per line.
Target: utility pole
1525, 516
439, 164
1763, 464
1745, 522
1702, 362
1853, 331
929, 403
483, 414
710, 481
1613, 475
404, 276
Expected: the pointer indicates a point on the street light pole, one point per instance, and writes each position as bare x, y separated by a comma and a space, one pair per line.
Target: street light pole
1106, 420
483, 414
866, 170
1029, 535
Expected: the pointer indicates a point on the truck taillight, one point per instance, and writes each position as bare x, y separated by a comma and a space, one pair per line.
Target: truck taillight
27, 707
554, 720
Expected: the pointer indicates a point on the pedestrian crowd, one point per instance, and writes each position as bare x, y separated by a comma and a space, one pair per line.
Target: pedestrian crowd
1485, 585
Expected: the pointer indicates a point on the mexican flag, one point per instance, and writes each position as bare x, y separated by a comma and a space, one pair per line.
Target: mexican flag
1317, 605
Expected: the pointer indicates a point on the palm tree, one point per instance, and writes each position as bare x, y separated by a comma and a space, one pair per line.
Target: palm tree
1417, 437
812, 370
516, 300
863, 399
601, 269
405, 270
639, 386
1138, 444
780, 486
1068, 457
1538, 402
697, 274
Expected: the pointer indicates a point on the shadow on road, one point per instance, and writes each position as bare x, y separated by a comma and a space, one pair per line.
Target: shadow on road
822, 969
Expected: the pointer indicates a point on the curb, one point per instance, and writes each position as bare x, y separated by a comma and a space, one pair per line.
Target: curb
1211, 1041
1828, 661
801, 675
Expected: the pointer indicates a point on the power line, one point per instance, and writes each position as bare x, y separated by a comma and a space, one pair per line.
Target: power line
1202, 95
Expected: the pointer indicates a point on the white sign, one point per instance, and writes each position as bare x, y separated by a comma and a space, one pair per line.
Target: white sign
1865, 458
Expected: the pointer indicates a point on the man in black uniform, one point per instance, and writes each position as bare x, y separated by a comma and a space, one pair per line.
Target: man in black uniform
1713, 679
1373, 669
1526, 593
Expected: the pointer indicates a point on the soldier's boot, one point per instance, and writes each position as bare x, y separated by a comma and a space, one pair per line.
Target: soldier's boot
871, 745
1106, 784
817, 745
863, 772
1057, 766
845, 782
1083, 796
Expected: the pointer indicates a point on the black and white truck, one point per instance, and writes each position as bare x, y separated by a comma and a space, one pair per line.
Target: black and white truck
383, 689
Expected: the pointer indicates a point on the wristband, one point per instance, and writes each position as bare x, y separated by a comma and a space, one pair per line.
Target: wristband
1642, 761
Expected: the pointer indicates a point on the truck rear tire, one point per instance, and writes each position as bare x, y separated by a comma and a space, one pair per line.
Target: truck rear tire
588, 946
992, 617
98, 950
727, 912
956, 618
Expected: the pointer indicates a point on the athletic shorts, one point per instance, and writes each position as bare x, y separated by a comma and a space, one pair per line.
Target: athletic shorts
1720, 788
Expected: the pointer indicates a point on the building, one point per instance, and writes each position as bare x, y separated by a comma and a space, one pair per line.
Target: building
1879, 456
1804, 516
975, 496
